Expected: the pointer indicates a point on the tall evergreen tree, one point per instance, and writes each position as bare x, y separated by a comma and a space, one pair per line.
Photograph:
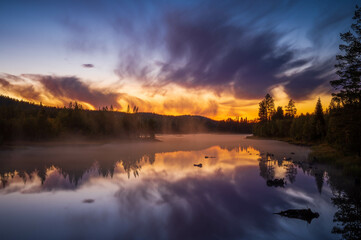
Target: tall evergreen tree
345, 127
291, 109
270, 105
262, 111
319, 123
349, 65
266, 108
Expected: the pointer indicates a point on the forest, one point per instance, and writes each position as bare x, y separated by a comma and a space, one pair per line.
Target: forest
24, 121
339, 125
336, 125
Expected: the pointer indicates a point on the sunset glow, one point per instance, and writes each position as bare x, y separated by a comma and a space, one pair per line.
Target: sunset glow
212, 59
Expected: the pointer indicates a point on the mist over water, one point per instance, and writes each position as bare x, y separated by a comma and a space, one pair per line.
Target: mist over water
152, 190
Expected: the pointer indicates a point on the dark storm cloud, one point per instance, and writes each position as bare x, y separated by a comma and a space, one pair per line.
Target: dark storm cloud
233, 46
88, 65
210, 52
317, 75
73, 88
243, 47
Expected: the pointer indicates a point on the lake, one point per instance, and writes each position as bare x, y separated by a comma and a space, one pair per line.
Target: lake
152, 190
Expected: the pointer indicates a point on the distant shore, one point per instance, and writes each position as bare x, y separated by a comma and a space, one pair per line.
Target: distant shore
76, 142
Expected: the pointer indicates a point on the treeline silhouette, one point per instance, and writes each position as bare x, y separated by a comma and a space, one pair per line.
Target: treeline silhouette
24, 121
340, 124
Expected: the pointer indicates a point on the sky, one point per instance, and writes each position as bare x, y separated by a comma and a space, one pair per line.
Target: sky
212, 58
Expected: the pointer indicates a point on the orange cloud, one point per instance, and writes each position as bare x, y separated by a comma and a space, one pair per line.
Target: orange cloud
169, 100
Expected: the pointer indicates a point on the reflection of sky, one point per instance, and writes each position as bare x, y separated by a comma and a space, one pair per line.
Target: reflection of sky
170, 199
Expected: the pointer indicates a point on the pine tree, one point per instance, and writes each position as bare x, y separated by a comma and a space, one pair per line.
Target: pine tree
345, 120
291, 109
262, 111
270, 105
279, 113
349, 65
266, 108
319, 123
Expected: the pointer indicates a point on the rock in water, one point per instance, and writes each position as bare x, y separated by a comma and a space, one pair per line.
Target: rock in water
198, 165
303, 214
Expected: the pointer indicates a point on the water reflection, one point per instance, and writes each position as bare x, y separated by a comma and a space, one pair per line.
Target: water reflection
153, 191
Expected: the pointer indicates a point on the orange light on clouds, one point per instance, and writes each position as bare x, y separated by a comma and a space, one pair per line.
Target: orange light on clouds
169, 100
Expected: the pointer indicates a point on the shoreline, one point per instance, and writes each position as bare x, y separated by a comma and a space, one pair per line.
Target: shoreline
288, 140
323, 153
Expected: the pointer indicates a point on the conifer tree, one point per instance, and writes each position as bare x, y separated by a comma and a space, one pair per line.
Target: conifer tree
291, 109
319, 121
349, 65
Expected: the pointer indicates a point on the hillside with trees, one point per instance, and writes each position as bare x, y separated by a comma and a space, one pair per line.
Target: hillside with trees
24, 121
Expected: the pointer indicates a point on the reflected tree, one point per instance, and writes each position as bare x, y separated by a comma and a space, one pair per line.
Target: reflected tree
291, 172
266, 168
319, 176
348, 215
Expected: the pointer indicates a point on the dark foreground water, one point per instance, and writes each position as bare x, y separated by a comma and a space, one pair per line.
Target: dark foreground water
153, 191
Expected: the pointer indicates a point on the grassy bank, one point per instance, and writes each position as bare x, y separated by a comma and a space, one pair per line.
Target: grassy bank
325, 154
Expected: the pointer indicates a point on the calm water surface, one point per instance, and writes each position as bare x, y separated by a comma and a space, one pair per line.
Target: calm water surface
153, 191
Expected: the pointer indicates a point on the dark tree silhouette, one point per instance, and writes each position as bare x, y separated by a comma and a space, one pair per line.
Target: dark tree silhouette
266, 108
26, 121
348, 216
262, 111
270, 106
278, 114
319, 121
290, 109
349, 65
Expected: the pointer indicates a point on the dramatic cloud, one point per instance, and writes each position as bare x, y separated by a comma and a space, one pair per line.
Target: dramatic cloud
317, 76
88, 65
25, 90
59, 89
208, 52
73, 88
211, 48
55, 90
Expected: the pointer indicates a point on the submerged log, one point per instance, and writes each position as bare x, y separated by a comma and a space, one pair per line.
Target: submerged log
303, 214
276, 182
198, 165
